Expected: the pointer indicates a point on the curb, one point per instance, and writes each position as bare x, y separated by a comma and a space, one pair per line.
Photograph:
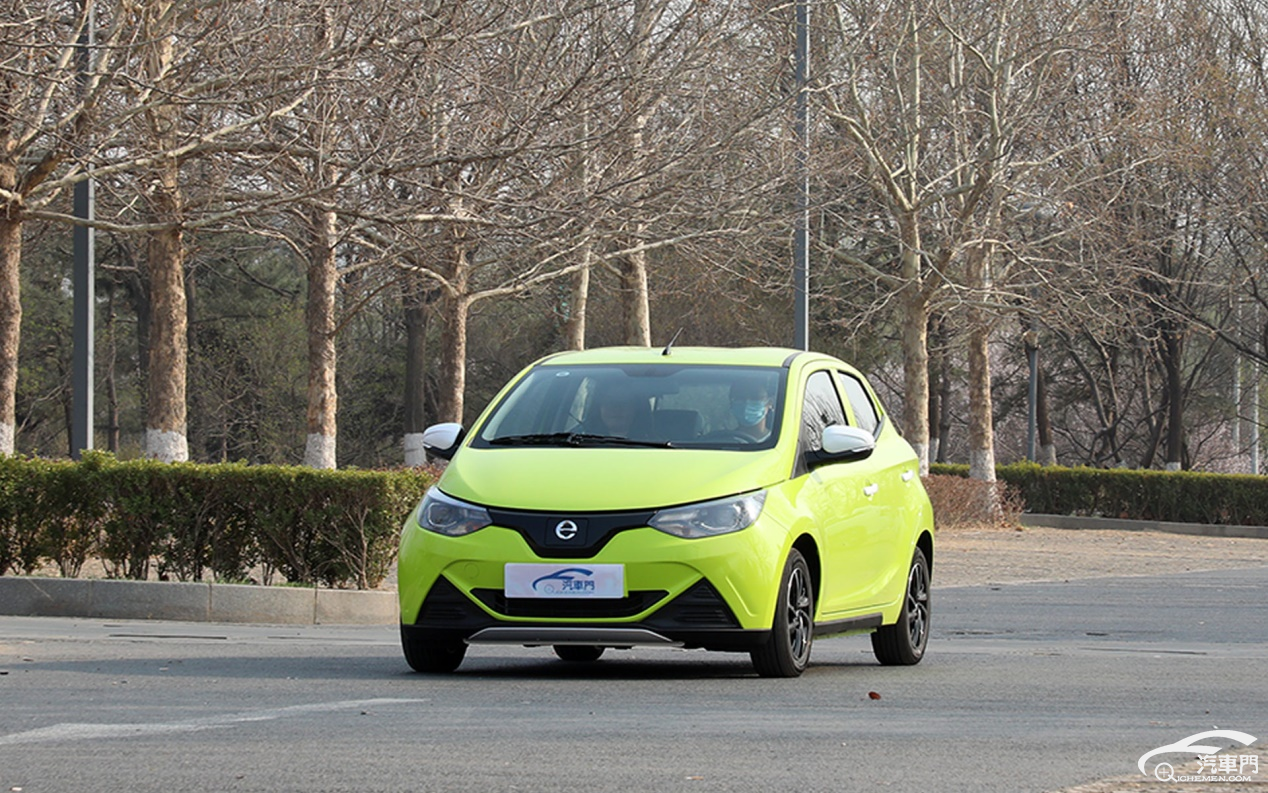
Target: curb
26, 596
1116, 524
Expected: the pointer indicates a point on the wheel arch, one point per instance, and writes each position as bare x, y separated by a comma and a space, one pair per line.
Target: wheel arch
925, 543
810, 551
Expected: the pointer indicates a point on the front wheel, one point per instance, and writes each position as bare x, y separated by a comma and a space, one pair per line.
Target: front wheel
903, 643
432, 655
786, 653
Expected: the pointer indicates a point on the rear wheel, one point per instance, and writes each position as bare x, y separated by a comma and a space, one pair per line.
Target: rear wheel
581, 653
432, 655
786, 653
903, 643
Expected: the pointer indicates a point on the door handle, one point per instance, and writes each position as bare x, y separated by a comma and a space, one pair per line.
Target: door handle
908, 474
871, 490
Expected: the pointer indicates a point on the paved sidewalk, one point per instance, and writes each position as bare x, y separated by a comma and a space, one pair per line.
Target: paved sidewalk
33, 596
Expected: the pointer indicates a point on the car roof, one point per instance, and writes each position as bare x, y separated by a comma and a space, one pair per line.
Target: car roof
734, 356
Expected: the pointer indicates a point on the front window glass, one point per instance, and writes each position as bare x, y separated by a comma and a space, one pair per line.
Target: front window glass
639, 405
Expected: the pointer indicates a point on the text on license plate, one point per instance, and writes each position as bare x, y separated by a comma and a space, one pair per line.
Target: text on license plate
565, 581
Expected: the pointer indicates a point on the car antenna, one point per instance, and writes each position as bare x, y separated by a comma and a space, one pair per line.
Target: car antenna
669, 346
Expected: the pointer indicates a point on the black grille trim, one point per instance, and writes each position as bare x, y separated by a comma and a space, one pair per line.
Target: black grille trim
446, 604
544, 608
699, 607
597, 529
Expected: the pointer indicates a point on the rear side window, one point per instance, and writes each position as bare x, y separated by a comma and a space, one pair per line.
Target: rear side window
864, 409
821, 408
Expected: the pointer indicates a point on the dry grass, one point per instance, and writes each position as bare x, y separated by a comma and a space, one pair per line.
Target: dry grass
969, 503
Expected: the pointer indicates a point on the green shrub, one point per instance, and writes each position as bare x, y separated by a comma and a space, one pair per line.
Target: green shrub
187, 521
1181, 497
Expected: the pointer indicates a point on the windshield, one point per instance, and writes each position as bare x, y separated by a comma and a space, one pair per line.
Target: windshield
643, 405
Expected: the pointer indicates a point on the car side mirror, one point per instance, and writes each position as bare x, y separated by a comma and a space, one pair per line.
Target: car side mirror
842, 444
442, 440
848, 441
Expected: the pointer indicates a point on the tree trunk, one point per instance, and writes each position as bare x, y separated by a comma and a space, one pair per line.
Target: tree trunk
981, 422
937, 375
453, 357
916, 376
935, 410
165, 422
578, 303
579, 298
453, 332
1043, 423
915, 338
634, 295
944, 417
319, 311
415, 303
165, 412
10, 320
981, 431
1173, 352
634, 299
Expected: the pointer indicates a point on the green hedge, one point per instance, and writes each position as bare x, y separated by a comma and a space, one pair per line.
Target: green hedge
1181, 497
188, 522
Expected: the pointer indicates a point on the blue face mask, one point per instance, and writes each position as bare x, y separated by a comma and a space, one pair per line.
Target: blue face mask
749, 412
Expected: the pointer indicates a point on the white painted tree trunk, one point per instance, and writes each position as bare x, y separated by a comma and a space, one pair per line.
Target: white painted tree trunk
319, 451
167, 446
415, 455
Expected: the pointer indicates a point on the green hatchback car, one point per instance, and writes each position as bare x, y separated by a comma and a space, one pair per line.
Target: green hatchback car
744, 500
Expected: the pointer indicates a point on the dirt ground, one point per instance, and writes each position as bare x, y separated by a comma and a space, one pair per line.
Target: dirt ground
997, 556
1000, 556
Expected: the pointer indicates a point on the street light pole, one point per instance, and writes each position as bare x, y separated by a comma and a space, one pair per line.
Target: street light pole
84, 278
801, 237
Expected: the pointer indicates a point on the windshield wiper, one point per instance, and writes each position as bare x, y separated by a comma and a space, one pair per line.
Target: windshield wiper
576, 439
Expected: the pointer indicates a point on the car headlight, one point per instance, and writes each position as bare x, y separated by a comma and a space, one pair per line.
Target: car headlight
449, 516
710, 518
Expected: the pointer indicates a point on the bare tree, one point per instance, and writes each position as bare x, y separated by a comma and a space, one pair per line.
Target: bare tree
49, 91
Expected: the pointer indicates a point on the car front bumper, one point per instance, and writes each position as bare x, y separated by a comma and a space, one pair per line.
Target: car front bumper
716, 592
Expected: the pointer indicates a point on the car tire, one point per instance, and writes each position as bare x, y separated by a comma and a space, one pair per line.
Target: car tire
578, 653
432, 655
903, 643
786, 652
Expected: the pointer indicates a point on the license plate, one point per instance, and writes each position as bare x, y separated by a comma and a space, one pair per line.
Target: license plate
565, 581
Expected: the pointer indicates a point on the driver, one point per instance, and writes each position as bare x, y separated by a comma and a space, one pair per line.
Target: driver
752, 407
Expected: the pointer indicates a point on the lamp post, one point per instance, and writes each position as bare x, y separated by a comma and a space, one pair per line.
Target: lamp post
801, 236
84, 278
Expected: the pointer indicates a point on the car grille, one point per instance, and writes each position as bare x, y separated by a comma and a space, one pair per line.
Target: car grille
547, 608
591, 530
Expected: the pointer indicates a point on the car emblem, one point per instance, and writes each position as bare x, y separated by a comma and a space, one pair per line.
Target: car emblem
566, 530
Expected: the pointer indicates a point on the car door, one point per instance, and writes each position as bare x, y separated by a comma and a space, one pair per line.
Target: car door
840, 499
895, 472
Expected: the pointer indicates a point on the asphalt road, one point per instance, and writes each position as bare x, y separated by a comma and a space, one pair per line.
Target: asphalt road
1026, 687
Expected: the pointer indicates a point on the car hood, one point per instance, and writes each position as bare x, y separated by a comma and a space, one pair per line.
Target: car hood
601, 480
